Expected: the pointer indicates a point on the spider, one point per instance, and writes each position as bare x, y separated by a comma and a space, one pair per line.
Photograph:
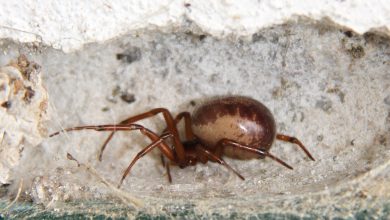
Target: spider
236, 126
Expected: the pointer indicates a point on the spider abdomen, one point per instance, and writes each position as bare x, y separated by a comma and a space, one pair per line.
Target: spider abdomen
240, 119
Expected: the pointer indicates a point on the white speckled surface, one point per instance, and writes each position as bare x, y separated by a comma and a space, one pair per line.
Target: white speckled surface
24, 102
325, 85
68, 26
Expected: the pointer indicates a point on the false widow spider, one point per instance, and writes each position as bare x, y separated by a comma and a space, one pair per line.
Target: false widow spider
235, 126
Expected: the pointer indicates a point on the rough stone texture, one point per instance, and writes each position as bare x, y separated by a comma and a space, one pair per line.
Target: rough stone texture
23, 101
326, 85
76, 23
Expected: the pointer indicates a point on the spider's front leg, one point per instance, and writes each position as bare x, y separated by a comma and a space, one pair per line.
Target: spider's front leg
171, 126
130, 127
189, 136
157, 141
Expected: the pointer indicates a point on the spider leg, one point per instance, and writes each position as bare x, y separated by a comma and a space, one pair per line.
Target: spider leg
107, 127
170, 124
166, 165
156, 142
219, 160
187, 124
225, 142
294, 140
130, 127
189, 135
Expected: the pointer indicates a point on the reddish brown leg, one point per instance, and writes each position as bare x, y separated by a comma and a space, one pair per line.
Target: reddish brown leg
217, 159
166, 165
294, 140
156, 142
225, 142
130, 127
188, 132
187, 124
170, 125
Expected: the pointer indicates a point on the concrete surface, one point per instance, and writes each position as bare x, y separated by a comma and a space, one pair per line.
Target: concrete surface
70, 26
23, 100
325, 84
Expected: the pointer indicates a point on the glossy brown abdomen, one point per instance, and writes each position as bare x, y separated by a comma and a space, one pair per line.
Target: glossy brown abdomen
241, 119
